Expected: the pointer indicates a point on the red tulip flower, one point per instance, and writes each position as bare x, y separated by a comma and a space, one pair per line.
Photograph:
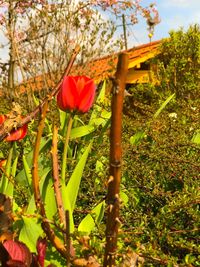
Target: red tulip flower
14, 135
76, 93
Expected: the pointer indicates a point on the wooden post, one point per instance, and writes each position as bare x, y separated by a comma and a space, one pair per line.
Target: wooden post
113, 200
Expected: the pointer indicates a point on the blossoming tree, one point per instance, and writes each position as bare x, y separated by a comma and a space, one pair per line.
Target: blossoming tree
42, 34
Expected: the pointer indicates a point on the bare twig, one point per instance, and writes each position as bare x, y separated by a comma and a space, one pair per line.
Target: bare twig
113, 200
56, 182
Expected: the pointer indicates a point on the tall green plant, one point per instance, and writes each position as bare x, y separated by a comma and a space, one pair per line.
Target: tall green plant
179, 62
30, 219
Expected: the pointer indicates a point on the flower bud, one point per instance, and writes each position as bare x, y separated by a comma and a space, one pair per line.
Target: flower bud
76, 93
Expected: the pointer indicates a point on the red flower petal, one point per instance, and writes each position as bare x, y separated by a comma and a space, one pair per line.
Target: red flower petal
67, 95
87, 96
18, 134
76, 93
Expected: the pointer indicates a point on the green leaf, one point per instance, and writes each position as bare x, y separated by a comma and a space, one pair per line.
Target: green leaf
14, 166
53, 258
106, 114
4, 179
10, 186
21, 178
102, 93
93, 219
30, 232
9, 161
123, 197
97, 106
62, 119
31, 209
97, 121
164, 104
36, 100
196, 137
99, 166
103, 130
137, 137
74, 181
70, 191
27, 161
48, 197
28, 174
82, 131
67, 206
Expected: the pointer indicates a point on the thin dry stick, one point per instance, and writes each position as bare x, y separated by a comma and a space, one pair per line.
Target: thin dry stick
5, 131
56, 242
113, 200
56, 181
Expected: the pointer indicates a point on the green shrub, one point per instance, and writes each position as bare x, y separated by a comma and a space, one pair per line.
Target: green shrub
179, 62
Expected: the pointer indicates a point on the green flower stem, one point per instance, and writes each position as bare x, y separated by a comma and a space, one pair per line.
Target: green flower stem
64, 157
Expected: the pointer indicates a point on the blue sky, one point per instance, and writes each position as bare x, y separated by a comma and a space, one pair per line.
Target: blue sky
174, 14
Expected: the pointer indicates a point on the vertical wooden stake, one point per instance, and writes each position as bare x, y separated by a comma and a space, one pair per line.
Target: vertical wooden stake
113, 200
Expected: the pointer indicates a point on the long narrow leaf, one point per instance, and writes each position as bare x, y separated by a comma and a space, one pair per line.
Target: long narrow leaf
4, 179
31, 209
164, 104
102, 93
63, 116
28, 174
10, 186
48, 197
99, 100
82, 131
70, 191
14, 166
